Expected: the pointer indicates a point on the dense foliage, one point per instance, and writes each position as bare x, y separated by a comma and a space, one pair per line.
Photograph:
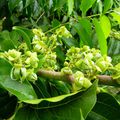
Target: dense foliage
60, 60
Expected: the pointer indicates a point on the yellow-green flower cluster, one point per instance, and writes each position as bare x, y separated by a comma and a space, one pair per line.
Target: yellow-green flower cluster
116, 73
89, 61
24, 64
63, 32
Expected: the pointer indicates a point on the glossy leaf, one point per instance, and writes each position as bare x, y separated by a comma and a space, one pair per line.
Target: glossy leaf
105, 25
76, 107
101, 37
70, 6
23, 91
86, 5
107, 107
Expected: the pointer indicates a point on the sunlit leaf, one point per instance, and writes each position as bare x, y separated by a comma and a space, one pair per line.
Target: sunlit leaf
105, 25
116, 14
70, 6
101, 37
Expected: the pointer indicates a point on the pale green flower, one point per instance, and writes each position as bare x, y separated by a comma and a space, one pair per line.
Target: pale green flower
13, 55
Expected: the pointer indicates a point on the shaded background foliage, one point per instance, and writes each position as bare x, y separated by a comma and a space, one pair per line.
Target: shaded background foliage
95, 23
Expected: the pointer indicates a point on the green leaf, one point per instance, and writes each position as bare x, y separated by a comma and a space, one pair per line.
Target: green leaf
60, 53
25, 33
107, 5
23, 91
84, 30
69, 42
59, 4
107, 107
114, 48
5, 67
86, 5
116, 14
12, 4
105, 25
76, 107
101, 37
7, 105
28, 2
70, 6
6, 42
95, 116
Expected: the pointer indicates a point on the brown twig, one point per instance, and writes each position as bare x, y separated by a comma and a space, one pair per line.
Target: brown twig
103, 79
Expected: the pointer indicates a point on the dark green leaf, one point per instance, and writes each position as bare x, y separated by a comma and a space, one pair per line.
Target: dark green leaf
107, 107
95, 116
84, 33
114, 47
28, 2
7, 105
13, 3
60, 54
77, 105
69, 42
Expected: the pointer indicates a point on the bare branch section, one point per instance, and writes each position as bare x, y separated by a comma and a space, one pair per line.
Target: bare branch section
103, 79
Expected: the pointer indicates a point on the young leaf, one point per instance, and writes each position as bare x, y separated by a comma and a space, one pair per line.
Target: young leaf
116, 14
105, 25
101, 37
70, 6
86, 5
107, 5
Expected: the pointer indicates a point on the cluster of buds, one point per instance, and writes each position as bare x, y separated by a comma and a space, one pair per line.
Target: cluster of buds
63, 32
116, 72
89, 61
24, 65
81, 82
